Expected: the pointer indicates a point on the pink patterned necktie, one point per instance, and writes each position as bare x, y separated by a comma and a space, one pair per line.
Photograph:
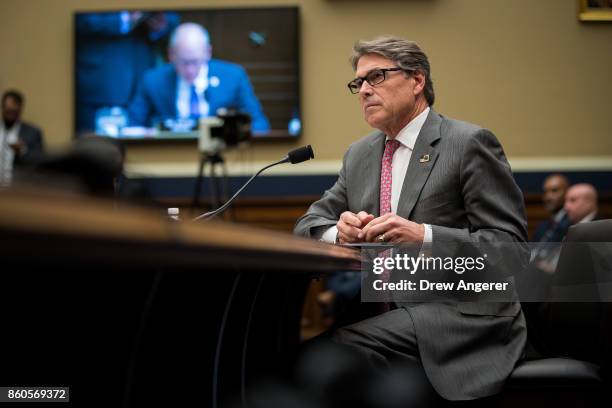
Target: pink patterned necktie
386, 181
386, 177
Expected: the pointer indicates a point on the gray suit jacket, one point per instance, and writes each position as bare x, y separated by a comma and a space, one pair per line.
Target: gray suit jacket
466, 192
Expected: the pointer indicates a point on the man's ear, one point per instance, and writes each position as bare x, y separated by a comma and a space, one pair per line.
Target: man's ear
208, 52
419, 82
171, 54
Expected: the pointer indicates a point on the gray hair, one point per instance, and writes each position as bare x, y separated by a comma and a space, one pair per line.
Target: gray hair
406, 54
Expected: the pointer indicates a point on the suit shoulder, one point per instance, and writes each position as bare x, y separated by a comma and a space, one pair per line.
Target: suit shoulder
217, 65
159, 74
30, 128
464, 132
460, 128
366, 141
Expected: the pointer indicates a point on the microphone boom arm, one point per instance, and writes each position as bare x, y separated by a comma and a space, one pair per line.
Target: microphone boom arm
295, 156
211, 214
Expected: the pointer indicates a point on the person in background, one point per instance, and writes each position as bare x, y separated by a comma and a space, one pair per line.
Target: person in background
581, 203
113, 50
545, 253
571, 321
553, 197
20, 142
194, 85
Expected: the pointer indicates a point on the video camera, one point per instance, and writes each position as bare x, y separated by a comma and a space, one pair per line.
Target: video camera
229, 128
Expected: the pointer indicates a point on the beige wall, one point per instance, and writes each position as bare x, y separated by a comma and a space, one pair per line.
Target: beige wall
528, 70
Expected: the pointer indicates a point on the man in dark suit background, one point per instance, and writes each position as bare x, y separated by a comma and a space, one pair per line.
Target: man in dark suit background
551, 232
194, 85
581, 203
553, 198
113, 50
427, 179
534, 285
20, 142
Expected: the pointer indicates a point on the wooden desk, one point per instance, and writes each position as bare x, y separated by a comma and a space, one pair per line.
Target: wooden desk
128, 308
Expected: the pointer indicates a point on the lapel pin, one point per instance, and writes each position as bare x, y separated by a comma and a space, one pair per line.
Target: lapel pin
424, 158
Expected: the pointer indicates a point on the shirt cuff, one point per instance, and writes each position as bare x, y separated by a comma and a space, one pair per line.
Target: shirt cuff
427, 239
330, 236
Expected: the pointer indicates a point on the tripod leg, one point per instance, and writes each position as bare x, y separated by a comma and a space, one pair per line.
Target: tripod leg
227, 189
198, 184
215, 193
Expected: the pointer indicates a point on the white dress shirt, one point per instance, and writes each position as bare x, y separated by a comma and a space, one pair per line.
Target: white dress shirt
183, 94
588, 218
401, 159
7, 154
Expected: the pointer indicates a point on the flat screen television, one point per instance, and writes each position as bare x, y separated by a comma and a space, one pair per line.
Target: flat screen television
149, 74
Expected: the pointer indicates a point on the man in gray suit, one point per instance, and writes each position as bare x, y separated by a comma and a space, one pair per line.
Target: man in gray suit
425, 178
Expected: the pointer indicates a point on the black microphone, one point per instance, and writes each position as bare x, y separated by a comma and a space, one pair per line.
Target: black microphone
295, 156
300, 154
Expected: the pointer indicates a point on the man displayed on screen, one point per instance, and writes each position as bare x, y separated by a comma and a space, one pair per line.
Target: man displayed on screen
424, 178
194, 85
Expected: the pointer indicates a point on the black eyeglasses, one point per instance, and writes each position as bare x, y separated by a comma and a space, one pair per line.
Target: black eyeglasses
374, 77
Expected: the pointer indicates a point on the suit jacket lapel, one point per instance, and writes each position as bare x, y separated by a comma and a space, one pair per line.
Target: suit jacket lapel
370, 201
422, 160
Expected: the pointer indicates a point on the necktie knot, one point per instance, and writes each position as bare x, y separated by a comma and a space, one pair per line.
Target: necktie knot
392, 145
